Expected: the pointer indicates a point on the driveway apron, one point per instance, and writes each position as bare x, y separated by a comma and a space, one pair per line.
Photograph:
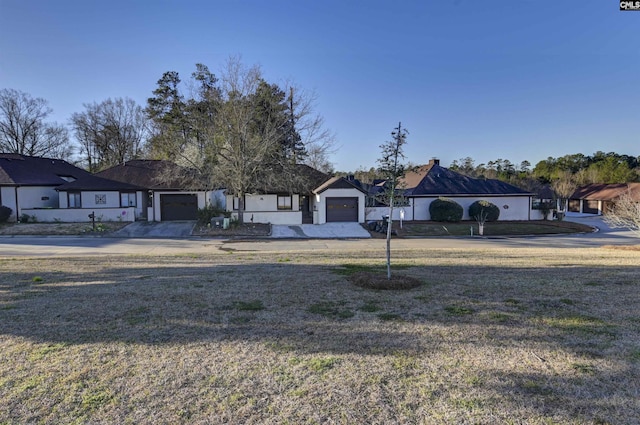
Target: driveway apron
153, 229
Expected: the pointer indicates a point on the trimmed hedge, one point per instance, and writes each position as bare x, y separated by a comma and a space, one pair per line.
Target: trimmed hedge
445, 209
478, 207
5, 213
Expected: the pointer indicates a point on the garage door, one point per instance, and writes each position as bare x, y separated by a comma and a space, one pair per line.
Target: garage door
342, 209
178, 207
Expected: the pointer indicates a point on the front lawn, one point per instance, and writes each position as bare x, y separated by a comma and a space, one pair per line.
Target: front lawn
491, 335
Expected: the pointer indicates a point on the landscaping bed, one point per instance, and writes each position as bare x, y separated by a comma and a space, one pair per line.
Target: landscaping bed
498, 228
70, 229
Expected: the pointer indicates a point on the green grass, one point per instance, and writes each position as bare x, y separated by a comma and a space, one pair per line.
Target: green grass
458, 310
254, 305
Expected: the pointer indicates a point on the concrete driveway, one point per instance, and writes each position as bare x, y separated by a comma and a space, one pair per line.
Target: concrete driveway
319, 231
156, 229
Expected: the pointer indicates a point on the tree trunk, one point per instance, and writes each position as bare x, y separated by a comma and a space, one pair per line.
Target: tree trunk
389, 225
241, 209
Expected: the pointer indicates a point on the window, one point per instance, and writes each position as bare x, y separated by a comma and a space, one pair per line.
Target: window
74, 200
128, 199
284, 202
236, 203
101, 199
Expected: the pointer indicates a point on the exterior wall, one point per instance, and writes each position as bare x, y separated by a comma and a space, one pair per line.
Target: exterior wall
518, 207
81, 215
8, 198
217, 197
263, 203
28, 197
88, 201
264, 209
376, 213
37, 197
320, 203
157, 213
273, 217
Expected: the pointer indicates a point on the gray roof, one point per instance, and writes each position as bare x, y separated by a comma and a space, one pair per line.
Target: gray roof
434, 180
150, 174
92, 182
21, 170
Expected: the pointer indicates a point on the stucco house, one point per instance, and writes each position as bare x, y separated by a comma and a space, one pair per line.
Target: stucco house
312, 197
168, 193
598, 198
426, 183
28, 184
46, 189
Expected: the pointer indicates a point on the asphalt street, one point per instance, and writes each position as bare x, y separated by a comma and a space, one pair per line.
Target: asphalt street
97, 246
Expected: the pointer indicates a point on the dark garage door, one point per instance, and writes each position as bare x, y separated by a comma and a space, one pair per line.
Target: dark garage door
342, 209
178, 207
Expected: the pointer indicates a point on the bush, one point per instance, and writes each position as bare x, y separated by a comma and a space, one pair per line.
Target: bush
444, 209
5, 213
210, 211
486, 207
24, 218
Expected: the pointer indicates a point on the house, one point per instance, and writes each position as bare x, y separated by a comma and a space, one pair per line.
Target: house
169, 193
28, 184
108, 200
46, 189
598, 198
339, 199
309, 197
426, 183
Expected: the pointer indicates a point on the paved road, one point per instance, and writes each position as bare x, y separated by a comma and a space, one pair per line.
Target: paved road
81, 246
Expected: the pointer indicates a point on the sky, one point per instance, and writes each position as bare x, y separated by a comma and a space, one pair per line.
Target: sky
486, 79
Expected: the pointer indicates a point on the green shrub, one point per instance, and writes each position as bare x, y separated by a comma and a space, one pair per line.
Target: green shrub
25, 218
444, 209
484, 207
5, 213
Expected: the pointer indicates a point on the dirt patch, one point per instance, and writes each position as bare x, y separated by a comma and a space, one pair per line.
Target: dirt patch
62, 229
380, 281
241, 230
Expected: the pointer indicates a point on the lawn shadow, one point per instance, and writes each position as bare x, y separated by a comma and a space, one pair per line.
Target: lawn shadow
292, 309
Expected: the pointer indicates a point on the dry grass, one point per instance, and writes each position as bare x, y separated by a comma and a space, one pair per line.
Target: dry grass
499, 336
60, 228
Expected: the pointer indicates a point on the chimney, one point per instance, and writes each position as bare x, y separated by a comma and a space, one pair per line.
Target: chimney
434, 161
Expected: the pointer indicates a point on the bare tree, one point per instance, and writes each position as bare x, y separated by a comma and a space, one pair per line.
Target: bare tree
110, 132
319, 143
244, 151
23, 129
625, 211
393, 170
564, 186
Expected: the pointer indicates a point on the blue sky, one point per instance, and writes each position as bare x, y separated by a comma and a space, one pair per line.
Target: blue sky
518, 80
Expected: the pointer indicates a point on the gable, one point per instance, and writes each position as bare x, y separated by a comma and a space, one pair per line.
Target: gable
338, 183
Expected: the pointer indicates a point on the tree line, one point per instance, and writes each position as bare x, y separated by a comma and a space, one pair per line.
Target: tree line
186, 122
563, 174
236, 131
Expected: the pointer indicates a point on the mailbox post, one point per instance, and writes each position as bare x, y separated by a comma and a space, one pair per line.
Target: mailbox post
92, 216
